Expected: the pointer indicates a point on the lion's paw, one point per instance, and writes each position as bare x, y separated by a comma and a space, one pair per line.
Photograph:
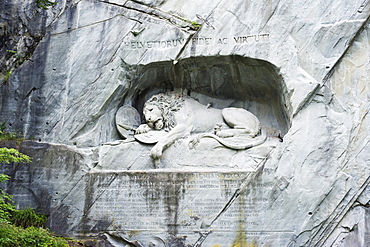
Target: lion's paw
156, 151
194, 141
225, 133
142, 129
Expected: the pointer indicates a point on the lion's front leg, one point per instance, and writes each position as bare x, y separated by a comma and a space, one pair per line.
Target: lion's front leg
143, 128
179, 131
157, 151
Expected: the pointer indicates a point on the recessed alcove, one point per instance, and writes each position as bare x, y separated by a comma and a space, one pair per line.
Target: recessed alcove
221, 81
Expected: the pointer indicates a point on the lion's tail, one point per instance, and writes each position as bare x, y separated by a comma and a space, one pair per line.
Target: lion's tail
238, 146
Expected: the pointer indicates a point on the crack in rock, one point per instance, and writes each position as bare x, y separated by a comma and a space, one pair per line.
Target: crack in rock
177, 21
242, 188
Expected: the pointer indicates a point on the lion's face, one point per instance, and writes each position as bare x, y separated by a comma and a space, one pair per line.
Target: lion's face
153, 117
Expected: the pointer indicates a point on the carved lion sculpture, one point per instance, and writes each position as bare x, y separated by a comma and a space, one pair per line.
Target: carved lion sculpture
179, 116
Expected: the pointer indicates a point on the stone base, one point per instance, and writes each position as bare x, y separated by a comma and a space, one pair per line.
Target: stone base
208, 155
174, 207
158, 208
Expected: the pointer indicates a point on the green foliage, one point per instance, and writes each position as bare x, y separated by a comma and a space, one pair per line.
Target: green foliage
4, 177
6, 207
15, 60
45, 4
10, 155
2, 127
7, 136
18, 55
6, 76
12, 236
22, 228
27, 218
195, 25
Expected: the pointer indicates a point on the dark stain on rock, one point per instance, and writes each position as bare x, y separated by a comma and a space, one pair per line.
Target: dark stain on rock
58, 220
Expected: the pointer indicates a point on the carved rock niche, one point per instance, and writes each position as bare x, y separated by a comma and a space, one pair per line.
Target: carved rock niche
217, 82
224, 81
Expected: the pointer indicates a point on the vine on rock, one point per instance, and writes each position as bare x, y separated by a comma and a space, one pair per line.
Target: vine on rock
45, 4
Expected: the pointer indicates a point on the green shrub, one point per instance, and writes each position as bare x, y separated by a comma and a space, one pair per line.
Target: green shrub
8, 136
6, 76
10, 155
12, 236
17, 236
6, 206
27, 218
45, 4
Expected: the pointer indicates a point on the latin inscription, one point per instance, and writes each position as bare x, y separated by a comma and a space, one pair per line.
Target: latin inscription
198, 41
148, 202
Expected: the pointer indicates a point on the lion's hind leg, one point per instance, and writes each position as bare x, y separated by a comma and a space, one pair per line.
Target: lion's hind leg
235, 132
241, 121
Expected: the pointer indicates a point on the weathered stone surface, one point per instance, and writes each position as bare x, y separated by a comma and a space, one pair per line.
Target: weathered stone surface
301, 67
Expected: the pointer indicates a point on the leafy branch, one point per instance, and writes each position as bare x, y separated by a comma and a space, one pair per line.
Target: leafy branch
45, 4
11, 155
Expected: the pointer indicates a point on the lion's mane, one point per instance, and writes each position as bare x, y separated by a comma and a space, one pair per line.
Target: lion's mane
168, 103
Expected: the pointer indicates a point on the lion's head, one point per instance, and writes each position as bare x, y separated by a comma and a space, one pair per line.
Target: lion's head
168, 103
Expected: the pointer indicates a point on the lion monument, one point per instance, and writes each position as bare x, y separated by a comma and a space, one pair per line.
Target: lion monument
171, 116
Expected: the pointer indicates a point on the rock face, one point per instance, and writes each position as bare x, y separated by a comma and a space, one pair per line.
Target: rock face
300, 67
